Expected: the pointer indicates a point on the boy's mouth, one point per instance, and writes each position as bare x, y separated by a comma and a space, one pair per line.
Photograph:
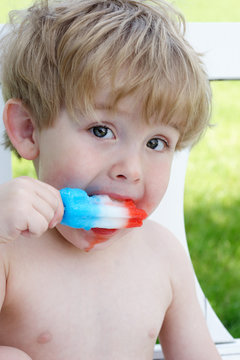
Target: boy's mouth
129, 217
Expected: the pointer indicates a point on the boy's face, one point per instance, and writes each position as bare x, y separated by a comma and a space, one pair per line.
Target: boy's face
119, 155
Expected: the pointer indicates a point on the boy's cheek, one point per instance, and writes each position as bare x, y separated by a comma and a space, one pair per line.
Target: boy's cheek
61, 175
62, 180
56, 179
150, 207
153, 197
68, 171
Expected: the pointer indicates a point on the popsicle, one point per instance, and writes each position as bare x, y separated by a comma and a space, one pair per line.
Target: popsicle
98, 211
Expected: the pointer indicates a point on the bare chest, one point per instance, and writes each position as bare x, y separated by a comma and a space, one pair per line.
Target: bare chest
79, 310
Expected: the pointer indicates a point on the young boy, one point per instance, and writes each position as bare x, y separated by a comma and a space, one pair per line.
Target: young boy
99, 94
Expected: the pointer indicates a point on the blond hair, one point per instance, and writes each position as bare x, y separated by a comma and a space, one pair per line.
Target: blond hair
58, 52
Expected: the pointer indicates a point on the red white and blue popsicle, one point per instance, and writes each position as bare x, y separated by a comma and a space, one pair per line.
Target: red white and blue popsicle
98, 211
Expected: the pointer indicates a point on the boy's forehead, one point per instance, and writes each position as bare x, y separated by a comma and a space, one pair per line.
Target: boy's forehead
104, 100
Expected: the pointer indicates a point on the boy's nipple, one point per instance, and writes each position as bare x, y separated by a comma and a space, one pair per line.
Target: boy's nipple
44, 338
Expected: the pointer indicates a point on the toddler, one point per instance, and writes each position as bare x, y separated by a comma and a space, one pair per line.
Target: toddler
99, 94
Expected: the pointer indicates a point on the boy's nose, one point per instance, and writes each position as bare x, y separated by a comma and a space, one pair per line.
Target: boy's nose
127, 169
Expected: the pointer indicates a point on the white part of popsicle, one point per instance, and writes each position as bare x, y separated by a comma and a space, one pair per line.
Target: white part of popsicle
110, 223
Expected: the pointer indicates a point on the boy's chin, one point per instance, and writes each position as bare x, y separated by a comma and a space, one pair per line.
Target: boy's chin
94, 239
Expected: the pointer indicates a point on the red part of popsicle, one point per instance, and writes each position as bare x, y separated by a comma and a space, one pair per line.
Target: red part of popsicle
136, 215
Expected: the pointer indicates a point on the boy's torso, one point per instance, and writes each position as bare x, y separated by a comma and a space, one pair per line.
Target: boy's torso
62, 304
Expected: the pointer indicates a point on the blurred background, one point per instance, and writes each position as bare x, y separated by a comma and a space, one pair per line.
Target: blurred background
212, 194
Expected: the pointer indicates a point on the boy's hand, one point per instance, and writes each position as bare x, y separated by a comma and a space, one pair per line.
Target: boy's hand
28, 206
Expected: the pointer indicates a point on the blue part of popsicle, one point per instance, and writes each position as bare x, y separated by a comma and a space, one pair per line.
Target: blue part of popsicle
79, 211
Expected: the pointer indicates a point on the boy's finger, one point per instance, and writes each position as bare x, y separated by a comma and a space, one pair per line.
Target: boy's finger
58, 214
44, 208
52, 196
37, 225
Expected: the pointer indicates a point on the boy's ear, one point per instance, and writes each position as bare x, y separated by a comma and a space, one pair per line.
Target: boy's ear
21, 129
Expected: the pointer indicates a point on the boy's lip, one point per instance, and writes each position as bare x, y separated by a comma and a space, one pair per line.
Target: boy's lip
104, 232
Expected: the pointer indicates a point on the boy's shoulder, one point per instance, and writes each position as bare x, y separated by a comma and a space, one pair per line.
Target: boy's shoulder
14, 253
160, 238
166, 247
171, 258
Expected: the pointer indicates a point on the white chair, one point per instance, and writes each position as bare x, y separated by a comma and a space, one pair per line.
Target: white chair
220, 44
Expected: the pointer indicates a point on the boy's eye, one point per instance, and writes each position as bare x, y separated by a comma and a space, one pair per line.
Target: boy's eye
157, 144
102, 132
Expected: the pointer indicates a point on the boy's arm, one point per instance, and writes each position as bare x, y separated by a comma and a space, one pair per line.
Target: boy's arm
6, 352
184, 334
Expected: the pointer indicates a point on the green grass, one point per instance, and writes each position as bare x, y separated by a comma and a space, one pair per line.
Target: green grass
212, 196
